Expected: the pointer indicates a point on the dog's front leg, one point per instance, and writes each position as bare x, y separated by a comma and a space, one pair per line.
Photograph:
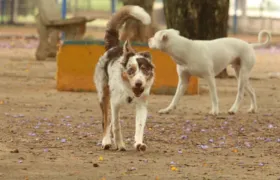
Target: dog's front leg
213, 93
180, 91
141, 116
115, 109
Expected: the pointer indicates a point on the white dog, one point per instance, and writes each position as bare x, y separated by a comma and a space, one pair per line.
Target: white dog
206, 59
123, 76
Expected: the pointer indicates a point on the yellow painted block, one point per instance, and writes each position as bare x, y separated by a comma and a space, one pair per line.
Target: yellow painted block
76, 61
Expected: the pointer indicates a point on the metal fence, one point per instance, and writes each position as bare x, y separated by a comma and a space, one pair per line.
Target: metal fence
262, 14
23, 11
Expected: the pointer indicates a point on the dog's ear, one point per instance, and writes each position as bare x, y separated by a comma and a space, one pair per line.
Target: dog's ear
127, 47
146, 54
175, 31
164, 37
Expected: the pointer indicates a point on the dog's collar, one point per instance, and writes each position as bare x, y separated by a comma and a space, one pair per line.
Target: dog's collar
129, 99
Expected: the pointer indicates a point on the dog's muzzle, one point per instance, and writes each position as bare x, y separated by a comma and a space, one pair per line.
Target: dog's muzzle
137, 91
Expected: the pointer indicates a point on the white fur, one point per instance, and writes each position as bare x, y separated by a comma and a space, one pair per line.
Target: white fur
120, 90
206, 59
140, 14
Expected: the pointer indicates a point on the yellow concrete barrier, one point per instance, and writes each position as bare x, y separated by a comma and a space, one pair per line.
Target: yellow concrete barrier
76, 61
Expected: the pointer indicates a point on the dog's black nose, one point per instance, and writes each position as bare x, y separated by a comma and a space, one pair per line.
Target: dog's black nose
138, 84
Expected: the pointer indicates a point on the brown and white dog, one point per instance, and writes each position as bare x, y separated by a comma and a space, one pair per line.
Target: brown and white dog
121, 76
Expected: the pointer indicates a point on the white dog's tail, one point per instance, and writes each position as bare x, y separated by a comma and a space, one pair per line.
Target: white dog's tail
260, 36
119, 18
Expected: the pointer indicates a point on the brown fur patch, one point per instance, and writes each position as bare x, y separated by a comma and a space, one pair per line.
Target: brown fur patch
124, 76
126, 58
104, 105
111, 38
146, 67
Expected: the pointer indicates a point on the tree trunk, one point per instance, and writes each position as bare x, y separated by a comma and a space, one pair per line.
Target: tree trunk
133, 29
198, 19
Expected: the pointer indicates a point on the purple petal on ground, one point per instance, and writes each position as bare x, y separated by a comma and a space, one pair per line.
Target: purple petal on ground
278, 140
247, 144
261, 164
267, 140
172, 163
225, 122
255, 121
45, 119
270, 126
67, 117
242, 129
145, 160
187, 121
31, 134
267, 114
222, 143
63, 140
98, 144
36, 127
6, 114
46, 150
20, 161
211, 140
188, 129
203, 146
184, 137
20, 115
132, 169
180, 151
203, 130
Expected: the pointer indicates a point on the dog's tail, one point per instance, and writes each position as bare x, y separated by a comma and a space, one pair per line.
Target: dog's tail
119, 18
260, 36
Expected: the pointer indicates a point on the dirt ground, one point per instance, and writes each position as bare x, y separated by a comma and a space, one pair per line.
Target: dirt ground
46, 134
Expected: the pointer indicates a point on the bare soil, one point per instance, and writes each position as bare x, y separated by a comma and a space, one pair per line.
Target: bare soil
46, 134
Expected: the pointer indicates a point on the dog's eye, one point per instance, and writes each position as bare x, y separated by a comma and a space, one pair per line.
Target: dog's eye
145, 70
130, 71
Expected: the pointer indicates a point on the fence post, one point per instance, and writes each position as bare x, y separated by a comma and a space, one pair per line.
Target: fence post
235, 17
64, 9
113, 6
3, 4
63, 14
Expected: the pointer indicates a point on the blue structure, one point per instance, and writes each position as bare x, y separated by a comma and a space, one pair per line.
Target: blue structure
113, 6
235, 17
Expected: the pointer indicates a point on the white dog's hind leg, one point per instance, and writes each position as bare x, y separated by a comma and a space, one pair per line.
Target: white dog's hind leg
180, 91
213, 94
141, 116
253, 107
242, 83
116, 127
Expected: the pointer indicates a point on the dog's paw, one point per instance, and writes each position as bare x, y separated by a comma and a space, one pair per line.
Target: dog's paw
214, 112
140, 147
106, 146
252, 111
164, 111
106, 143
121, 149
231, 112
121, 146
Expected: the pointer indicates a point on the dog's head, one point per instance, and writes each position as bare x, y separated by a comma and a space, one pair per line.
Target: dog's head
138, 69
161, 38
